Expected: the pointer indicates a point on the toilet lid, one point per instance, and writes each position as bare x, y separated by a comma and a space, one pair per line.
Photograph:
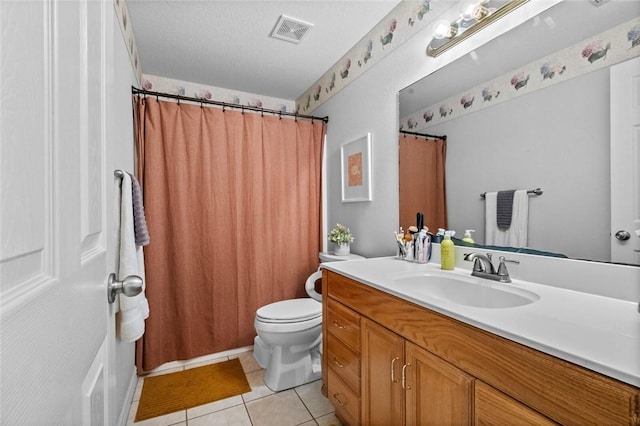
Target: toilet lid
293, 310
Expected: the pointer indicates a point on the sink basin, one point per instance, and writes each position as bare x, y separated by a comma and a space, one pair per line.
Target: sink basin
468, 291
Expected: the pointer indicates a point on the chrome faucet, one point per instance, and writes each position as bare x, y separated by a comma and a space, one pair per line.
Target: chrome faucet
483, 267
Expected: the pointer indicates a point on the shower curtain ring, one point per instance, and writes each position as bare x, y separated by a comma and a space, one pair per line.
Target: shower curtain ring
224, 106
280, 115
262, 112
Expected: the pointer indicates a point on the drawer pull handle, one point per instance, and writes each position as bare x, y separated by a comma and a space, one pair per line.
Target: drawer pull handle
404, 376
336, 362
393, 378
336, 396
337, 324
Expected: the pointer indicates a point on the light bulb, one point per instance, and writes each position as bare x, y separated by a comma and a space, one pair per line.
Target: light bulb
466, 11
474, 10
443, 29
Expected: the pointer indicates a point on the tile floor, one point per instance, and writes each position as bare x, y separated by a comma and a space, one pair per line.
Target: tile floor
303, 405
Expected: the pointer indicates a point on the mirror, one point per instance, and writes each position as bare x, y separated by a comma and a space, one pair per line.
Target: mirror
550, 136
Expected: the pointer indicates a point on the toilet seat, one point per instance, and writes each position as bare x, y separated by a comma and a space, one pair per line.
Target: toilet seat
290, 311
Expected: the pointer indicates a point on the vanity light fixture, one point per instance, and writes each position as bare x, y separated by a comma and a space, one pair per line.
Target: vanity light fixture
474, 16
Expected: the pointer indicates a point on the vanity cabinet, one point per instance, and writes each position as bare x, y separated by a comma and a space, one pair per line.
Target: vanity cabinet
382, 362
403, 383
437, 392
453, 373
341, 360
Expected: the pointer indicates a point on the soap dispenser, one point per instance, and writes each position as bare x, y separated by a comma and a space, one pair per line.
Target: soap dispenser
447, 253
467, 236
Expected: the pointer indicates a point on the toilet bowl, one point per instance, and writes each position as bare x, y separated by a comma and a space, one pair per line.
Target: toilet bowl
288, 344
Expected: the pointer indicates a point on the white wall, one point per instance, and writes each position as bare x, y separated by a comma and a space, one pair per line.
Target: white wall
370, 104
557, 139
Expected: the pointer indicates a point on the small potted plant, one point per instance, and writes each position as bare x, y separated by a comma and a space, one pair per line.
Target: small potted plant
341, 236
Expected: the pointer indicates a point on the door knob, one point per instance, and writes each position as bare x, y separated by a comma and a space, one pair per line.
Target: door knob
130, 286
623, 235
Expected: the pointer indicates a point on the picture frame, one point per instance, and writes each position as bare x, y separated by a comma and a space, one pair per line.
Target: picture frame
355, 160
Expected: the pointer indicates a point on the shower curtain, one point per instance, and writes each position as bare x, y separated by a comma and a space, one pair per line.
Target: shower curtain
422, 181
233, 206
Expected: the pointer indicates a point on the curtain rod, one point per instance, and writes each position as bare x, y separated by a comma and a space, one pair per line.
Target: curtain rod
426, 135
136, 91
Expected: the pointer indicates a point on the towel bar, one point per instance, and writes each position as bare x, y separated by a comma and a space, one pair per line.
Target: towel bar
118, 173
537, 191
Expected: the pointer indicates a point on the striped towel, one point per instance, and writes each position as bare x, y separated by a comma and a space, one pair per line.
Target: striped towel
504, 209
139, 222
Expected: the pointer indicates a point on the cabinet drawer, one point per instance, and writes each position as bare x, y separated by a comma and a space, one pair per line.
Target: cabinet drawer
344, 324
345, 362
492, 407
345, 401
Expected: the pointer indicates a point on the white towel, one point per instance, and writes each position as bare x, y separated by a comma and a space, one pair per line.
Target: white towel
133, 310
516, 234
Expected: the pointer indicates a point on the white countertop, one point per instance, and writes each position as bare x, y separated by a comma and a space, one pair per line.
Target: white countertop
596, 332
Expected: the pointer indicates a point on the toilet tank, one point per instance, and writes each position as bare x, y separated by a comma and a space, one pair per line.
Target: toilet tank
329, 257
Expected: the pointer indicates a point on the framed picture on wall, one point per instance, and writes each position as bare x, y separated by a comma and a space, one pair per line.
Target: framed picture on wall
355, 159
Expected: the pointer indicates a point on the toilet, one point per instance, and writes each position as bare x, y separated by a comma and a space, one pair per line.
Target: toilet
288, 344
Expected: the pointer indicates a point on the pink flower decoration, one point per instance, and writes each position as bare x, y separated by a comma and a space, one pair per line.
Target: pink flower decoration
591, 48
203, 94
392, 25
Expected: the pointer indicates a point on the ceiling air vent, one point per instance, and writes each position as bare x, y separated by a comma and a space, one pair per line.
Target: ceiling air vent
290, 29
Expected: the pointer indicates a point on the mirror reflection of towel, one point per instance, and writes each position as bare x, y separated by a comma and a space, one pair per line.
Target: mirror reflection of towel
517, 233
504, 209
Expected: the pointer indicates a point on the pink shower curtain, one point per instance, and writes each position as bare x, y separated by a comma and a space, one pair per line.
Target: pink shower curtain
233, 206
422, 181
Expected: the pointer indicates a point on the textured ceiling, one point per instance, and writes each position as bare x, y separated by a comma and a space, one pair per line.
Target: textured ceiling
227, 44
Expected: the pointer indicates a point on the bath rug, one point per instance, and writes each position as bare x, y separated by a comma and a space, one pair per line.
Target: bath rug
173, 392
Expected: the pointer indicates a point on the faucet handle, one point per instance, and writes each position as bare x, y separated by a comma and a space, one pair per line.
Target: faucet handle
502, 268
473, 257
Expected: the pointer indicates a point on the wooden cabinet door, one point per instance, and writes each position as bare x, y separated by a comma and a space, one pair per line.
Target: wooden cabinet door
437, 393
382, 358
492, 407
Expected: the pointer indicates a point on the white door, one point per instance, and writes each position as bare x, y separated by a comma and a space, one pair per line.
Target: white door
56, 327
625, 162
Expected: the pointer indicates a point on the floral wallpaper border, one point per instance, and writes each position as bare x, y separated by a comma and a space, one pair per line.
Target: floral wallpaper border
122, 13
608, 48
195, 90
402, 23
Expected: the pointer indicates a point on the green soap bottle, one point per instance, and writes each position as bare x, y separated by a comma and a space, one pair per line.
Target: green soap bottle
447, 253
